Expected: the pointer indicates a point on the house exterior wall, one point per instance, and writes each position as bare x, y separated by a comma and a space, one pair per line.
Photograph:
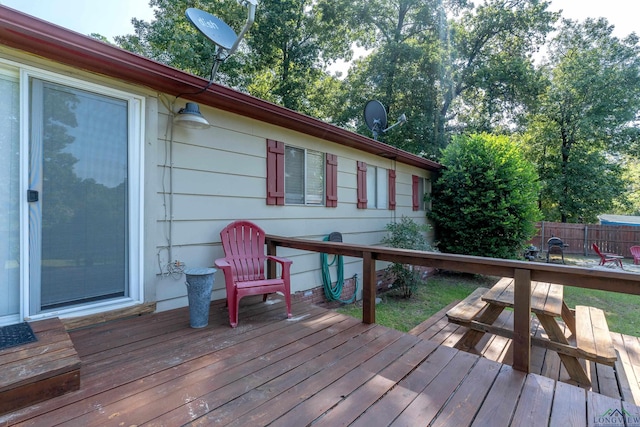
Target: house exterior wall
219, 175
197, 181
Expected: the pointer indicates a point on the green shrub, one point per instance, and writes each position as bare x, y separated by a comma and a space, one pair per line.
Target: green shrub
406, 234
485, 201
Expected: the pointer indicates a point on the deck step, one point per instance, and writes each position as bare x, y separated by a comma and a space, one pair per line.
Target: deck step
469, 307
593, 338
38, 371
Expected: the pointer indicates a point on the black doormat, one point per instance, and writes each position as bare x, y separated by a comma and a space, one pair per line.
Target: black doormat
12, 335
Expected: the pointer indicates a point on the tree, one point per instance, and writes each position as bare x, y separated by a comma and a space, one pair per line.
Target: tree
484, 202
291, 45
489, 79
474, 69
172, 40
402, 69
587, 119
282, 59
631, 176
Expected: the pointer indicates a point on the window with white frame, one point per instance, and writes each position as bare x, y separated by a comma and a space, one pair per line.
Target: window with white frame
421, 193
427, 194
377, 187
424, 188
304, 180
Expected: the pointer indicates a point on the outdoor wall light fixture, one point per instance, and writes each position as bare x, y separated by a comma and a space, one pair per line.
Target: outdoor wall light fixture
190, 117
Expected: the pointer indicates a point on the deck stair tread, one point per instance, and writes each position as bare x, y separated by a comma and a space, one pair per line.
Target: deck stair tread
40, 370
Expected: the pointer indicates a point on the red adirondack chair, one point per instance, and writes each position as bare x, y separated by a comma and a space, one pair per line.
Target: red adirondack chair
243, 266
606, 257
635, 251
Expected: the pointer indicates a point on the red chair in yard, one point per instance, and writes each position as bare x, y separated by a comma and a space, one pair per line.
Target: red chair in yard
635, 251
607, 257
243, 266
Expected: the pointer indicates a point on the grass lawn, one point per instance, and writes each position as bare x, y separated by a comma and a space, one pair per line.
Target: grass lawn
438, 291
443, 288
621, 310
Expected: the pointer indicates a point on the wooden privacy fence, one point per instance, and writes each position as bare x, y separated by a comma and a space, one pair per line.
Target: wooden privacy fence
522, 271
579, 237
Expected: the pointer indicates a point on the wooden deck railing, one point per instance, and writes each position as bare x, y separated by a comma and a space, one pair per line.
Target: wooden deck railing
523, 272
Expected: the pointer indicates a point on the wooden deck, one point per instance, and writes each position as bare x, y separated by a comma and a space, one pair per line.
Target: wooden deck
620, 382
319, 368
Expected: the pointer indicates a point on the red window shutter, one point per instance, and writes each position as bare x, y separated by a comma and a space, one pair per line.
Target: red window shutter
275, 172
414, 192
392, 190
331, 174
362, 185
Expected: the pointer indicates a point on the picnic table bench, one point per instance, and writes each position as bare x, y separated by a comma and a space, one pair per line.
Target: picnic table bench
590, 337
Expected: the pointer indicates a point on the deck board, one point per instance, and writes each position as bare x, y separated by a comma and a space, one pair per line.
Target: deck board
266, 389
463, 406
319, 368
429, 401
599, 405
569, 406
390, 405
501, 401
536, 408
629, 383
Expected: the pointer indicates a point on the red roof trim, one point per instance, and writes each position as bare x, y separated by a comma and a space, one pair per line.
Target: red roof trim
32, 35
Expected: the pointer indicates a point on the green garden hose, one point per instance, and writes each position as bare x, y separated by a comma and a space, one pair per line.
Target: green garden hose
331, 292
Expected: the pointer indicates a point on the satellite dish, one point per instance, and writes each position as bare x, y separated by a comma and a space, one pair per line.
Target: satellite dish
213, 28
375, 116
226, 41
220, 33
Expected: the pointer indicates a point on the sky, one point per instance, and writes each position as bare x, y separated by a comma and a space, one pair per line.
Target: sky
113, 17
107, 17
620, 13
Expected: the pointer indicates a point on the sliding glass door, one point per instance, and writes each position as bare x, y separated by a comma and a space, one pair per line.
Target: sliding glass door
78, 197
71, 178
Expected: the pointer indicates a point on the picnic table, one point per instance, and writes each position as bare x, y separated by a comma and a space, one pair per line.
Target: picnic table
589, 334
